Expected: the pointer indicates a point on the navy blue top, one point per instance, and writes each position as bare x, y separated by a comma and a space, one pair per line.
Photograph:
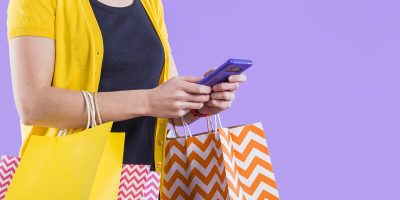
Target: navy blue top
133, 59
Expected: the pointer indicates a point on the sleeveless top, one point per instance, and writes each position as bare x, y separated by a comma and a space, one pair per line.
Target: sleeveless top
133, 60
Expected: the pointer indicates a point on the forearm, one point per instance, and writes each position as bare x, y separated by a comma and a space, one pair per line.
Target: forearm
62, 108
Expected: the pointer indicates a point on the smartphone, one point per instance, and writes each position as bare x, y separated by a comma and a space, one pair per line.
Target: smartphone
222, 73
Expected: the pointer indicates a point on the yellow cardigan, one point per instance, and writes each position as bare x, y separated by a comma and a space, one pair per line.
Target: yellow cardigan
79, 50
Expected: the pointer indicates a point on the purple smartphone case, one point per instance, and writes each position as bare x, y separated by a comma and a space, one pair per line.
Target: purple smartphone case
222, 73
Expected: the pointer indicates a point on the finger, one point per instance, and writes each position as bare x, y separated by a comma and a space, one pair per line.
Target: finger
220, 104
192, 105
237, 78
195, 88
191, 79
225, 87
195, 98
226, 96
209, 71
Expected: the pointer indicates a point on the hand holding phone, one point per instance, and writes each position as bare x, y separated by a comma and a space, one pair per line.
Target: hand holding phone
222, 73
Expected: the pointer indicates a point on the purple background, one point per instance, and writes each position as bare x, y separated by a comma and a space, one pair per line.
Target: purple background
325, 85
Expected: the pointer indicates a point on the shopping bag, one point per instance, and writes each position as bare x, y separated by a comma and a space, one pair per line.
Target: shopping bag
152, 186
107, 179
194, 167
131, 185
227, 163
247, 162
133, 179
8, 166
138, 182
84, 165
64, 167
176, 176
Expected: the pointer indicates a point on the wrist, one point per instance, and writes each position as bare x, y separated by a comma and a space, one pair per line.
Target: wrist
147, 102
139, 103
198, 113
189, 118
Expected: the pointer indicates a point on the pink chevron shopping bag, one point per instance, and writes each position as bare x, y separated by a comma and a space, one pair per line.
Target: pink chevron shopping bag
8, 166
138, 183
225, 163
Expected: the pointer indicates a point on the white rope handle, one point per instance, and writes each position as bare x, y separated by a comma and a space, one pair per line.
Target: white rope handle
217, 117
90, 110
219, 120
186, 128
96, 104
217, 125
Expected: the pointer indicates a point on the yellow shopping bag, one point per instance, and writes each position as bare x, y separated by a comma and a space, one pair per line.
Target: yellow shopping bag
81, 166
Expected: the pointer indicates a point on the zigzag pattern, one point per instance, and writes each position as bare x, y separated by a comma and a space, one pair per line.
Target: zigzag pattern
133, 180
232, 164
206, 168
152, 186
176, 179
234, 185
247, 162
194, 169
8, 166
136, 180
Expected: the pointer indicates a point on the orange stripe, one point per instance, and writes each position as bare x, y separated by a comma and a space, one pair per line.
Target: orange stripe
178, 192
266, 195
176, 144
206, 195
248, 149
174, 159
204, 162
223, 134
202, 145
250, 129
205, 178
233, 186
261, 178
177, 175
245, 131
257, 161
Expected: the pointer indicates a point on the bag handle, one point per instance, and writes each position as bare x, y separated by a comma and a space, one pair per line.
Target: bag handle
217, 117
90, 110
185, 126
210, 126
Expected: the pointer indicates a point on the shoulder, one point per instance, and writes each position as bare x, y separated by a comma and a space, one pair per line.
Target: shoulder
31, 17
28, 4
155, 5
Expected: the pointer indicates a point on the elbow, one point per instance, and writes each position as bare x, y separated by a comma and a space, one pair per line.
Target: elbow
28, 113
27, 121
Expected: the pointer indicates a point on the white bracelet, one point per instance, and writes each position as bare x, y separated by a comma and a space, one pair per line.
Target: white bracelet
87, 108
97, 108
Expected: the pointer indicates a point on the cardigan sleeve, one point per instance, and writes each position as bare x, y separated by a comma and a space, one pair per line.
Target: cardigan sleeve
31, 18
161, 22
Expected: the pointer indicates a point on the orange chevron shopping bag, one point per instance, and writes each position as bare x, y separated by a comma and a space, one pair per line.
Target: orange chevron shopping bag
227, 163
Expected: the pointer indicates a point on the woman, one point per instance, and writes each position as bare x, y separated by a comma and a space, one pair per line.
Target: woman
59, 47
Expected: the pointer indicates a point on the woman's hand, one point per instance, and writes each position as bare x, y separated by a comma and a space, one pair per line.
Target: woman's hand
177, 97
222, 95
